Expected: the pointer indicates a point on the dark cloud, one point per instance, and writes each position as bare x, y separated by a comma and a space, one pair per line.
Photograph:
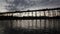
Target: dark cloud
25, 4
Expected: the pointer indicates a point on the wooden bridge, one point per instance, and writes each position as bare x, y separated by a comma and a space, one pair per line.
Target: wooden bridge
32, 14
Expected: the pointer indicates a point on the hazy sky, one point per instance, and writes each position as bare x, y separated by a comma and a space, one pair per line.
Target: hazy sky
27, 4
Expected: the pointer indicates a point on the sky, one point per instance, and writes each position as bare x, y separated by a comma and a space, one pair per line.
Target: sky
10, 5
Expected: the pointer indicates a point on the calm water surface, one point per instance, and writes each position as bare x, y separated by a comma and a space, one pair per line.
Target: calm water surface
30, 24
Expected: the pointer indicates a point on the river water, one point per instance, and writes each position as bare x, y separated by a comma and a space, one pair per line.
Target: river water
30, 24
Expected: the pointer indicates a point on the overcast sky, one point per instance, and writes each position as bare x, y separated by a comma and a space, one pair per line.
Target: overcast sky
27, 4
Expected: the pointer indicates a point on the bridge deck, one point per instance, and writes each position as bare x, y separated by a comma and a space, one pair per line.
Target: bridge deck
26, 18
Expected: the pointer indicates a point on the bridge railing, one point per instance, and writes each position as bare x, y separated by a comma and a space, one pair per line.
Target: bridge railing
48, 13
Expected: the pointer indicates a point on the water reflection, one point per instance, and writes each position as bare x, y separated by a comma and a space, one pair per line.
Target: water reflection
45, 24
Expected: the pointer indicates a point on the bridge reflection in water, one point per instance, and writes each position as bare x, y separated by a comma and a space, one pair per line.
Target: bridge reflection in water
32, 26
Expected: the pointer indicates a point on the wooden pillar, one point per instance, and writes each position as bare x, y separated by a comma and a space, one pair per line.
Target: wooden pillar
44, 13
48, 13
